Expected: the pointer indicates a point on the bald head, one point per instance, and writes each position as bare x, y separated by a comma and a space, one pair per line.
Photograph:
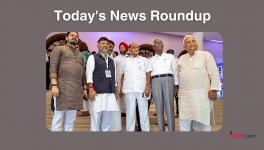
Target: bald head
133, 49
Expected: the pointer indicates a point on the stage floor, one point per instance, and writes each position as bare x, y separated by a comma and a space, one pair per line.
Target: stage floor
82, 124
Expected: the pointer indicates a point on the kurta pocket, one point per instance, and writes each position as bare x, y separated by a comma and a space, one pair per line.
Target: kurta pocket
198, 65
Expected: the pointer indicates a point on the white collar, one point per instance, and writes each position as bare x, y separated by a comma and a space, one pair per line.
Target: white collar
134, 57
162, 54
104, 55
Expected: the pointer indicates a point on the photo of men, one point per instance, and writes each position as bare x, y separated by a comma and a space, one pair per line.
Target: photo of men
134, 81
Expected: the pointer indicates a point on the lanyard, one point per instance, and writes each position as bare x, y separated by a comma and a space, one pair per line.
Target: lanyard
106, 60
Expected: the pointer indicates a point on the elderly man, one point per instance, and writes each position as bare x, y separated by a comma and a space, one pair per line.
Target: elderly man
67, 77
164, 82
135, 83
198, 85
101, 79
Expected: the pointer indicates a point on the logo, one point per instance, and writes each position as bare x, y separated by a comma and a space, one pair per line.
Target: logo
241, 135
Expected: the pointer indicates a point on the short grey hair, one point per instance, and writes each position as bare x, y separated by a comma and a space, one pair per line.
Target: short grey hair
187, 36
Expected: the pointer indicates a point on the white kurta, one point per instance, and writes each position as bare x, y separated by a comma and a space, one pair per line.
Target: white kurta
103, 102
119, 60
197, 75
134, 70
164, 64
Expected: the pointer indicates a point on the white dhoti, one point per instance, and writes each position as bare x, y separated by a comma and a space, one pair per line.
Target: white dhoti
116, 120
195, 107
66, 117
101, 111
190, 125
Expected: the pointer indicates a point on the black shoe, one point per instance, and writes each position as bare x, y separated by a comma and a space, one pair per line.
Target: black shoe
123, 114
138, 129
166, 124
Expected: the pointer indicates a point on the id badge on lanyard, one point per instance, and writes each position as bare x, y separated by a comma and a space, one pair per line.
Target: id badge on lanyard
107, 71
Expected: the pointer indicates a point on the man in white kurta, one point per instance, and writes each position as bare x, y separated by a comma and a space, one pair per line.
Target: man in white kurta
119, 60
102, 105
135, 84
198, 84
116, 124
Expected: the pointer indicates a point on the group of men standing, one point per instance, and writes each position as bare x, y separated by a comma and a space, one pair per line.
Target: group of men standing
117, 85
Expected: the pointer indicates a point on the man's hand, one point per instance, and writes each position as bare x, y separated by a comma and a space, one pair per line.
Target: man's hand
55, 91
212, 94
84, 94
116, 92
176, 89
92, 94
121, 94
147, 90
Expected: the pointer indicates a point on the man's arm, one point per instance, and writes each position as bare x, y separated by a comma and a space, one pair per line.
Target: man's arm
89, 77
175, 75
54, 65
121, 94
148, 77
121, 73
147, 87
84, 83
174, 70
213, 75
